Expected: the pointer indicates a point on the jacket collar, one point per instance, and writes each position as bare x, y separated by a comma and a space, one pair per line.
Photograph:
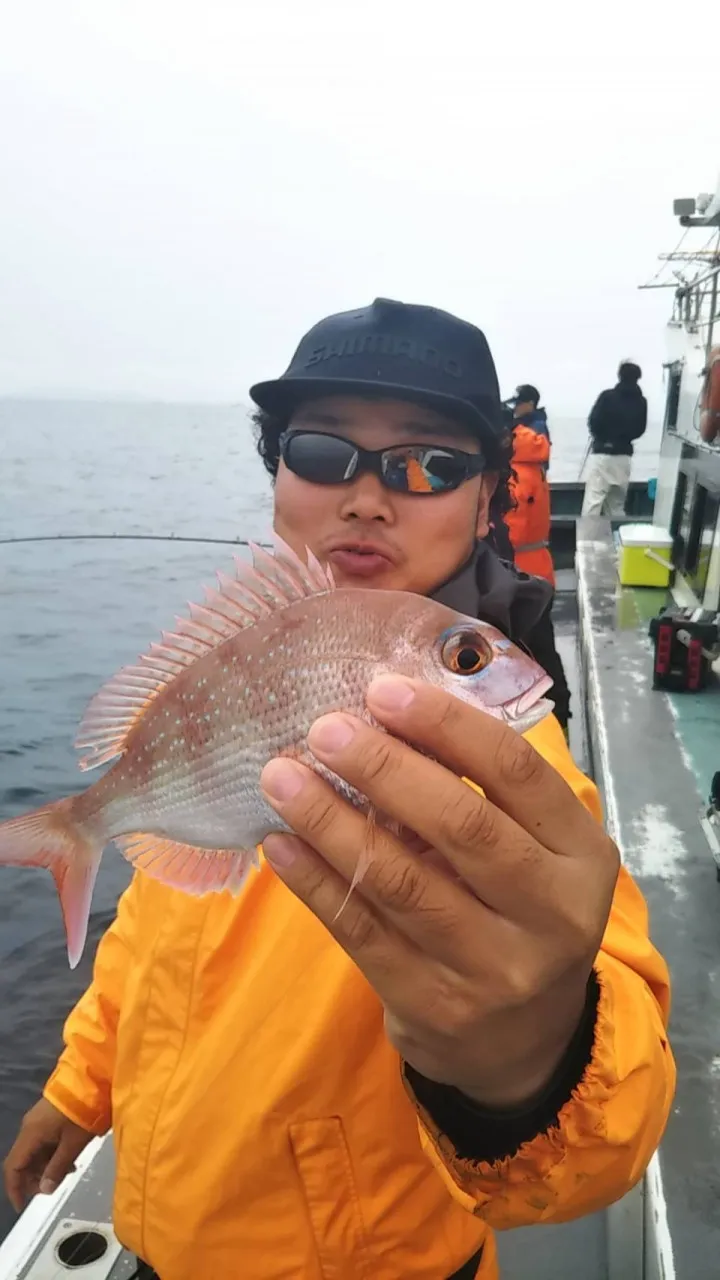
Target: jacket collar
494, 591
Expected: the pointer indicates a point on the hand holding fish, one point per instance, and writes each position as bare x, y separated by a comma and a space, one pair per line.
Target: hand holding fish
483, 978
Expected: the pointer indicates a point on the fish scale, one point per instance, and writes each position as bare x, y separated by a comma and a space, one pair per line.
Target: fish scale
188, 729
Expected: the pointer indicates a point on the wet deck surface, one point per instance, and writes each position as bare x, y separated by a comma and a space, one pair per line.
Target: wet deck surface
654, 755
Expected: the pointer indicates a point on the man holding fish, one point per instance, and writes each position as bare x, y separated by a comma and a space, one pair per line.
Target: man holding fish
431, 1006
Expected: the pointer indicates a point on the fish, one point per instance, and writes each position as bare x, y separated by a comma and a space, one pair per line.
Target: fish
189, 727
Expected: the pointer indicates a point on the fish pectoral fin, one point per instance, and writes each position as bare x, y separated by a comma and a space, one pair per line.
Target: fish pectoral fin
186, 867
364, 859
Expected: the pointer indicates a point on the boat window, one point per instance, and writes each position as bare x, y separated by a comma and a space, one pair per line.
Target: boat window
680, 512
694, 527
706, 532
672, 401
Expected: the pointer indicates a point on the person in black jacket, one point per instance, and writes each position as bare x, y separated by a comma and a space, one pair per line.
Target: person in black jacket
617, 419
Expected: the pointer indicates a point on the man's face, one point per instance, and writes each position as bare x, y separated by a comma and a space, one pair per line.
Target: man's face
522, 407
371, 535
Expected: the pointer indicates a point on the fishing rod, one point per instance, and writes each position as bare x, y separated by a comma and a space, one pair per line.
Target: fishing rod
130, 537
585, 460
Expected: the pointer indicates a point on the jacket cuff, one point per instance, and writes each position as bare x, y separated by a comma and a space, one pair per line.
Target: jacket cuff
485, 1136
77, 1098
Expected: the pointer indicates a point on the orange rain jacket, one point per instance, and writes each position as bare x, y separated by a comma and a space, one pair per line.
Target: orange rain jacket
262, 1125
529, 521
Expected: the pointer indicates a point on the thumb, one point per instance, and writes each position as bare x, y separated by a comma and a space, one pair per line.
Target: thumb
63, 1159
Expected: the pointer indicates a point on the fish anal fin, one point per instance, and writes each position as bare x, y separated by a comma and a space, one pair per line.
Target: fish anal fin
186, 867
274, 581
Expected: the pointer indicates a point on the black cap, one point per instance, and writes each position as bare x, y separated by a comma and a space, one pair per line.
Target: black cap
397, 349
526, 391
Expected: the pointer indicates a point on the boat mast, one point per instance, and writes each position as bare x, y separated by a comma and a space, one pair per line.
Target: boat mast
696, 296
703, 211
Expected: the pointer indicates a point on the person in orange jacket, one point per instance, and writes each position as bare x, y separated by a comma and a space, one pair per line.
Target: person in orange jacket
295, 1093
528, 520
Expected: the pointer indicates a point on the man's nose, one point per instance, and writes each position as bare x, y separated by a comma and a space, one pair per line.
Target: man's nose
367, 499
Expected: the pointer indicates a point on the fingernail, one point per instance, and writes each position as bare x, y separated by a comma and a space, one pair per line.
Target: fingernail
331, 733
280, 851
281, 780
47, 1186
391, 693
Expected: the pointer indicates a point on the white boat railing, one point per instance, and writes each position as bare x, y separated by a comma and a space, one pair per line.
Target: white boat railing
19, 1245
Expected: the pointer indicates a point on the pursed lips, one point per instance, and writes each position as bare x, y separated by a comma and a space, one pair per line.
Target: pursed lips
360, 559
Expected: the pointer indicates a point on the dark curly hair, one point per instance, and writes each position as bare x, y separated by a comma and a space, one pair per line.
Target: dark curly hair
269, 428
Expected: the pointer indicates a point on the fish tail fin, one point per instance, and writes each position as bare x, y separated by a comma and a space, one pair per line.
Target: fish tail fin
53, 837
364, 860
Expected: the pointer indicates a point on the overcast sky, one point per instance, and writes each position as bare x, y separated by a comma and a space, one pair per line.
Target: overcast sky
187, 185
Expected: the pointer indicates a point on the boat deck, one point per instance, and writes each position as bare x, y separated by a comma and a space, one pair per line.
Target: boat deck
654, 755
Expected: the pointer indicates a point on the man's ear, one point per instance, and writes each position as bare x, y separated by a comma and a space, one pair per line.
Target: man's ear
487, 489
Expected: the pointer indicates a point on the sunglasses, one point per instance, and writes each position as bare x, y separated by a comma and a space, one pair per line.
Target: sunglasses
420, 469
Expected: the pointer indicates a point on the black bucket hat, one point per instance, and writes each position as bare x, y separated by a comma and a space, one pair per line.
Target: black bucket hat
394, 349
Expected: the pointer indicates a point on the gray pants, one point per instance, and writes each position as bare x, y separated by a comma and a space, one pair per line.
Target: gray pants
606, 485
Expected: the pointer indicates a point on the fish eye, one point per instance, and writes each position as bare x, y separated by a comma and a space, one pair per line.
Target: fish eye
466, 653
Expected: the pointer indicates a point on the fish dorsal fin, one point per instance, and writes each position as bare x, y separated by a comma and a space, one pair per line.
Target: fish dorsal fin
271, 583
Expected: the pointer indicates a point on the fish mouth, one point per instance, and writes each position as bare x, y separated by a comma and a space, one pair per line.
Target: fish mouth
531, 706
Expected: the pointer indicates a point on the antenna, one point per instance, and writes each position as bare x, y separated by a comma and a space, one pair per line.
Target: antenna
699, 211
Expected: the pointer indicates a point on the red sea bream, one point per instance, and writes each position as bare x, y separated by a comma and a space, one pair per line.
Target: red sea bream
192, 724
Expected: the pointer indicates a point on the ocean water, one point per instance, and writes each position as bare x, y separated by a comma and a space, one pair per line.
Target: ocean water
71, 613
